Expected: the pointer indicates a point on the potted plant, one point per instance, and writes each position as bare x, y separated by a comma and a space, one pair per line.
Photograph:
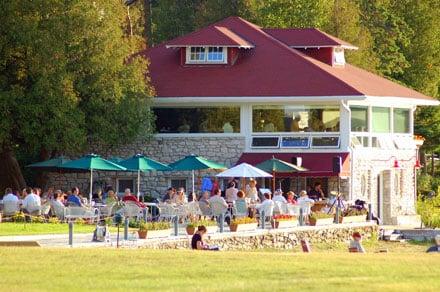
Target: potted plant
191, 227
243, 224
284, 221
158, 229
353, 215
142, 230
320, 218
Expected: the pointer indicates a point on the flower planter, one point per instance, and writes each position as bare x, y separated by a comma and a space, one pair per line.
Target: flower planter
158, 233
243, 227
190, 230
353, 219
142, 234
284, 223
321, 221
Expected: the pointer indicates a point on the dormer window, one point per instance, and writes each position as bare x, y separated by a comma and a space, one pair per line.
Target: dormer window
206, 55
338, 56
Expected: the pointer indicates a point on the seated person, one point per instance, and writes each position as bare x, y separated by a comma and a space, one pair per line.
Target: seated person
180, 198
291, 198
278, 197
204, 204
316, 193
128, 197
218, 199
97, 197
197, 240
169, 195
32, 202
10, 203
74, 199
267, 205
57, 201
356, 243
436, 247
241, 206
111, 198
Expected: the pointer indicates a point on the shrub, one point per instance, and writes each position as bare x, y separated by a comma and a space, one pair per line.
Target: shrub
429, 211
53, 220
157, 225
244, 220
142, 226
80, 221
19, 217
354, 212
38, 219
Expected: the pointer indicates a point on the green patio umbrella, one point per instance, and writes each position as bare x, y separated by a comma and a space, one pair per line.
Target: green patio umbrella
274, 165
49, 165
139, 163
193, 162
92, 162
115, 159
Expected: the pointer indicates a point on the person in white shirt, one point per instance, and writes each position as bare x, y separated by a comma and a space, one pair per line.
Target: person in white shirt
267, 205
10, 202
251, 191
305, 202
32, 202
218, 199
278, 197
231, 193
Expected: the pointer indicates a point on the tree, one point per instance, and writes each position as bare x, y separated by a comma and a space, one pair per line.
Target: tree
345, 23
65, 81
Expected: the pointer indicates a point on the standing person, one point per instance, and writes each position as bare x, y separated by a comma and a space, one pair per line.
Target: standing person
316, 193
74, 199
32, 202
128, 197
231, 193
356, 243
215, 187
251, 191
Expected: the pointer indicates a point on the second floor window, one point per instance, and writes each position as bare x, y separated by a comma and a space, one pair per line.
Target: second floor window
206, 55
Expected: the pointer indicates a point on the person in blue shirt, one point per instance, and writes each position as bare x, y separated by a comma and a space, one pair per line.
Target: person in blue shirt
436, 247
74, 199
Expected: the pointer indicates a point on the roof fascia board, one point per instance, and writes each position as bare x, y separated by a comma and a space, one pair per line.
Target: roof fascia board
393, 100
324, 46
227, 46
251, 99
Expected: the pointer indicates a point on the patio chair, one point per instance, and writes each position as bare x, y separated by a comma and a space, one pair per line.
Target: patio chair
217, 209
73, 213
268, 212
293, 209
280, 208
194, 209
166, 212
205, 209
107, 210
44, 210
58, 211
240, 209
131, 210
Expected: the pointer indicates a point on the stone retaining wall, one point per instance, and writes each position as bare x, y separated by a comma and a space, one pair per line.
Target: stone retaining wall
272, 239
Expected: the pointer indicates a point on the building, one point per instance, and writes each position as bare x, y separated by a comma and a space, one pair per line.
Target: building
235, 92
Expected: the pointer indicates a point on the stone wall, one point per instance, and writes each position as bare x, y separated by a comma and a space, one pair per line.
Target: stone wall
398, 188
273, 239
225, 150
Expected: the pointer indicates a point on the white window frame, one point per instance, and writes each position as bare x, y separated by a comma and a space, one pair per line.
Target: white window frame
125, 178
338, 56
206, 60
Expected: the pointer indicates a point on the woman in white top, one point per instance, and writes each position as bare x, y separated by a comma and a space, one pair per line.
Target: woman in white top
231, 193
278, 197
251, 191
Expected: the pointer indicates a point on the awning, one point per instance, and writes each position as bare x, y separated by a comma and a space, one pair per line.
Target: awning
318, 164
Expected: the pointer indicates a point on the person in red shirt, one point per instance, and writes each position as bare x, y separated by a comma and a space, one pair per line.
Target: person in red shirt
291, 198
128, 197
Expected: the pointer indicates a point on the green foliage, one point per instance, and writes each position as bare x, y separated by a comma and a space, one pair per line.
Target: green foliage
160, 225
429, 210
321, 215
18, 217
65, 77
206, 223
244, 220
53, 220
355, 212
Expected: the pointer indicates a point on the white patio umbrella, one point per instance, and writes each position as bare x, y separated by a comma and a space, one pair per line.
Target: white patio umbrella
244, 170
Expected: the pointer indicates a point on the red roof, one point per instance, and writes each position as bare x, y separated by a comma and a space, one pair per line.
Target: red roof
318, 164
306, 37
272, 68
210, 36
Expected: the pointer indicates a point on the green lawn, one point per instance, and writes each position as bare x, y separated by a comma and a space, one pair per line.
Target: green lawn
32, 269
8, 228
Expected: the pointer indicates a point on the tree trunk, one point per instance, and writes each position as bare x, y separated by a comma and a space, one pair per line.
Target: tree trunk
148, 31
41, 177
10, 172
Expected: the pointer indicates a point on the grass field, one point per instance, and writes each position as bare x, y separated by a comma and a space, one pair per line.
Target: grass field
32, 269
8, 228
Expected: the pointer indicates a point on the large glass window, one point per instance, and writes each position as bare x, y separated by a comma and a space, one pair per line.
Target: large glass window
381, 120
401, 120
198, 120
295, 119
359, 119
